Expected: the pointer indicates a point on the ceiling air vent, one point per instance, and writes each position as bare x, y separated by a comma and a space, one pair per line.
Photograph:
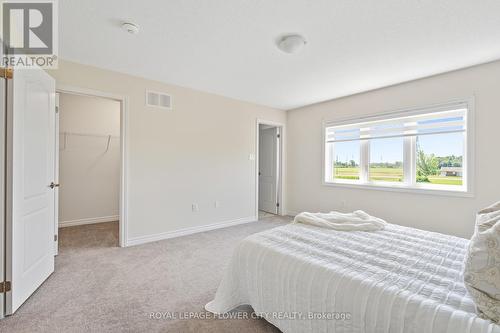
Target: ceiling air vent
158, 100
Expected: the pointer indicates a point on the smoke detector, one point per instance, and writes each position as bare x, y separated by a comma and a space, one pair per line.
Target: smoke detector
131, 28
291, 43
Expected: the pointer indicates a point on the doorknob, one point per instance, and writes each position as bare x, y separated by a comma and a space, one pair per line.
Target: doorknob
53, 185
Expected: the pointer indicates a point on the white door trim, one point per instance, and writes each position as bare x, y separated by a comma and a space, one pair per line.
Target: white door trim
56, 180
124, 110
281, 158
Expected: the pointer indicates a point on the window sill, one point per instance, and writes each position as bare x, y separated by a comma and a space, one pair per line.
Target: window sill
395, 187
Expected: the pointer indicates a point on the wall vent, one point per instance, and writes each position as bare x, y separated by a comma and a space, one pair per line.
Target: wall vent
158, 100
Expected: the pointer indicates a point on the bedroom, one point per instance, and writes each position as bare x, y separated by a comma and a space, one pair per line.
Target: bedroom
388, 108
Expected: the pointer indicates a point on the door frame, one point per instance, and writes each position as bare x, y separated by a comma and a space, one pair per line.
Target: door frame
280, 161
56, 178
124, 111
3, 190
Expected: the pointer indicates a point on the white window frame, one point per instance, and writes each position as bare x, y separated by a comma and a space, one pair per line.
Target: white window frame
409, 159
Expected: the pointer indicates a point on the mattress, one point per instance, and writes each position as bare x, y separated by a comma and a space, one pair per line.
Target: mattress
304, 278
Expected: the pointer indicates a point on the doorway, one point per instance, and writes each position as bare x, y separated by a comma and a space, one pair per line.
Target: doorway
89, 168
269, 169
118, 141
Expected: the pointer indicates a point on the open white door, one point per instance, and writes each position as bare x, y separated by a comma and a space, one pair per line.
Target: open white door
268, 170
30, 176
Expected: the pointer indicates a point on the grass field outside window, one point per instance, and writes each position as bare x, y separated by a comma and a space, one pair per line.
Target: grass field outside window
391, 175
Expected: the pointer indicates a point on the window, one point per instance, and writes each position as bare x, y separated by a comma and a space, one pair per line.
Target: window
424, 149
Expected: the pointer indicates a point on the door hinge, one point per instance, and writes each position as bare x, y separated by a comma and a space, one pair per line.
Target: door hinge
57, 109
5, 286
279, 136
6, 73
277, 204
55, 238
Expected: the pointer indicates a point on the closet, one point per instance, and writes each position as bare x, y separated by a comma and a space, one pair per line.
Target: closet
89, 160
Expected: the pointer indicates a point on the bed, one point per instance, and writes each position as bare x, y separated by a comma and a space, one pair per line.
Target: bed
303, 278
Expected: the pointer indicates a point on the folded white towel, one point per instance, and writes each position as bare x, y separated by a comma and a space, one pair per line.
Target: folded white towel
358, 220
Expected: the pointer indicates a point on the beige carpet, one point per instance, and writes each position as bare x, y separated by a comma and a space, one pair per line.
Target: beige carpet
99, 287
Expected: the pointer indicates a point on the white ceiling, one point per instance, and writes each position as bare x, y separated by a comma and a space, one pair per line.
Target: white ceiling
228, 47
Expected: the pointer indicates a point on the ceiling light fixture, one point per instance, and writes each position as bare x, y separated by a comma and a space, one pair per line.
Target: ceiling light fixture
291, 43
131, 28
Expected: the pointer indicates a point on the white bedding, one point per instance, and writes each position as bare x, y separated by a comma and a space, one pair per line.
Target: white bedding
395, 280
357, 220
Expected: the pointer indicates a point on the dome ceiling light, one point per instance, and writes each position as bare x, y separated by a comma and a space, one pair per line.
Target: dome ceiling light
291, 43
131, 28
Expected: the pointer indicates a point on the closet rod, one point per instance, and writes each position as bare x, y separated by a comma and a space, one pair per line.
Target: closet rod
89, 135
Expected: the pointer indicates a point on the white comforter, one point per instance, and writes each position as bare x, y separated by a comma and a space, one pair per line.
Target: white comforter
357, 220
395, 280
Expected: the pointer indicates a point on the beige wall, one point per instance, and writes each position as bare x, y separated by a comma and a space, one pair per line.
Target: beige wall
439, 213
89, 171
196, 153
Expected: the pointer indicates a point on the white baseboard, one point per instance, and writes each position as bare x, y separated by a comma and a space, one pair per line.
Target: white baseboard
91, 220
188, 231
291, 213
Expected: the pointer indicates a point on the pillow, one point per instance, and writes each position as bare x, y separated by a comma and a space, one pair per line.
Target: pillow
482, 264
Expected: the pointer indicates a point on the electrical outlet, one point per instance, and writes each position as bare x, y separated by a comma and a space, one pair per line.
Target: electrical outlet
195, 208
217, 204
